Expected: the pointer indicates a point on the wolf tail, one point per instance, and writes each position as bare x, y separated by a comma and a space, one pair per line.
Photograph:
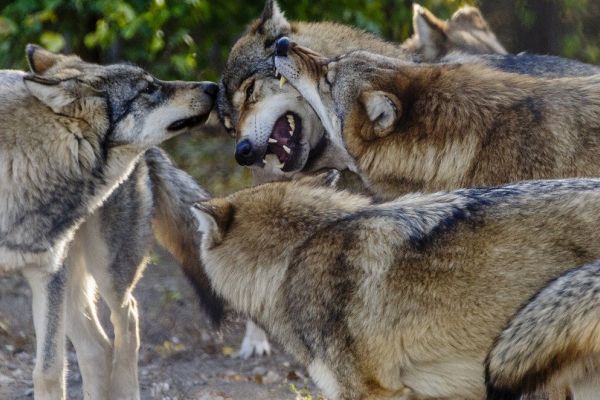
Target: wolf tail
175, 227
552, 333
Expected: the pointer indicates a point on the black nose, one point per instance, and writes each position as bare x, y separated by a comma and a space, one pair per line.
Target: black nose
282, 45
210, 88
244, 153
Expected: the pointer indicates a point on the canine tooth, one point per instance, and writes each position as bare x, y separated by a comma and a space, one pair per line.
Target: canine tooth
287, 149
271, 140
282, 82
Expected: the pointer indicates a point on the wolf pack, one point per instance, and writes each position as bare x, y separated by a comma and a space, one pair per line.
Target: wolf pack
423, 222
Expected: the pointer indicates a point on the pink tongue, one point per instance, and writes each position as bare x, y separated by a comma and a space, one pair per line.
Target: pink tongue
282, 135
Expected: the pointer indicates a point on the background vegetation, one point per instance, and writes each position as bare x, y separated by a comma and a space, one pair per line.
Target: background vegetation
190, 39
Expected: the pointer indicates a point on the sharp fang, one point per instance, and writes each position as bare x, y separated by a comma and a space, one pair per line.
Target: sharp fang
287, 149
280, 165
271, 140
282, 82
291, 132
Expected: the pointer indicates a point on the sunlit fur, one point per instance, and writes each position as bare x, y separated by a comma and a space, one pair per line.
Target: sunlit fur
399, 300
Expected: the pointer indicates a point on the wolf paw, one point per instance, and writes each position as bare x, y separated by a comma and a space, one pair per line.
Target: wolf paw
255, 342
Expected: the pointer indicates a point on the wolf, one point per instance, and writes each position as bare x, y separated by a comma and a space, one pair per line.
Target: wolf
398, 300
72, 136
466, 31
426, 127
253, 108
553, 337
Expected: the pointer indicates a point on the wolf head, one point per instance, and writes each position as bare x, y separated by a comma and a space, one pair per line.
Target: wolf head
123, 103
341, 88
466, 31
250, 236
275, 127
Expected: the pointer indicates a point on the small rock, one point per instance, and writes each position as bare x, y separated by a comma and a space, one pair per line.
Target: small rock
260, 370
271, 377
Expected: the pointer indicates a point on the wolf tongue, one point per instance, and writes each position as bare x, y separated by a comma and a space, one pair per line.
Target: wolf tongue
281, 134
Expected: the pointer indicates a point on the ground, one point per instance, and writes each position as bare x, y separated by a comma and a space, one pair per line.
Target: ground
181, 356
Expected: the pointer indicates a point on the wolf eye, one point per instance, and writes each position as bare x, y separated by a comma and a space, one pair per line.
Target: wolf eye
151, 88
250, 92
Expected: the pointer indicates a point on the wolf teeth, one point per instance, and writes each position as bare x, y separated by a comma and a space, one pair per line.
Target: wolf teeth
271, 140
287, 149
282, 82
292, 124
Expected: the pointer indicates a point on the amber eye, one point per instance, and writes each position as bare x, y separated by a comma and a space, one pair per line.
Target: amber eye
250, 91
151, 88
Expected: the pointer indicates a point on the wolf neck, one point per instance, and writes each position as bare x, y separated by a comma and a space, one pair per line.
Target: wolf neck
449, 114
271, 250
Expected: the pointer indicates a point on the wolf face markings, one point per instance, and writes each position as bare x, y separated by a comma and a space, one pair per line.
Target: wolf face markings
70, 133
402, 298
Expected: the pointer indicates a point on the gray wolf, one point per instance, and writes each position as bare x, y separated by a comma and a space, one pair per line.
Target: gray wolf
412, 127
399, 300
253, 108
466, 31
71, 133
554, 337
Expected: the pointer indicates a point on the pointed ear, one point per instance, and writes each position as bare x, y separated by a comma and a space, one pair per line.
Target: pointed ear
55, 93
327, 179
470, 17
429, 28
272, 22
384, 109
40, 60
214, 218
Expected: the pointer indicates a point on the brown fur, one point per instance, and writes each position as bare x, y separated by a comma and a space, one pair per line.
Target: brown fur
397, 299
460, 125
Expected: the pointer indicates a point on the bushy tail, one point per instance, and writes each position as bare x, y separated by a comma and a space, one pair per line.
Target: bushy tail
557, 328
175, 227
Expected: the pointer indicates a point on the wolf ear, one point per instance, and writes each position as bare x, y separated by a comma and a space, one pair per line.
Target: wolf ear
40, 60
55, 93
470, 16
327, 179
272, 22
384, 110
58, 93
214, 218
429, 28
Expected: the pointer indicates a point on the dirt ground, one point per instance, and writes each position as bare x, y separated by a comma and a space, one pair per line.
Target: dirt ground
181, 357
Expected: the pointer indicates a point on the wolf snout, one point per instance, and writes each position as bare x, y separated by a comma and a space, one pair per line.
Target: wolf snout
210, 88
282, 45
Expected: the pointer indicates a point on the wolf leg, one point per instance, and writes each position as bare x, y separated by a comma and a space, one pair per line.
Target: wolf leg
48, 303
94, 350
124, 318
255, 342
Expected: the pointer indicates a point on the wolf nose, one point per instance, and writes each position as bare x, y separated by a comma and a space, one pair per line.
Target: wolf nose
244, 153
282, 45
211, 89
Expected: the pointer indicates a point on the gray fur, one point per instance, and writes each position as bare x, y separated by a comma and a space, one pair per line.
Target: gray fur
70, 133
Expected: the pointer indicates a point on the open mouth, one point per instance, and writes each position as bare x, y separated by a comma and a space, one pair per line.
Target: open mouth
187, 122
284, 146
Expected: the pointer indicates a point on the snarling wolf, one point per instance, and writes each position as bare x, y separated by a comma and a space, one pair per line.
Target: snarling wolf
256, 111
555, 336
414, 127
253, 107
395, 300
73, 135
466, 31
